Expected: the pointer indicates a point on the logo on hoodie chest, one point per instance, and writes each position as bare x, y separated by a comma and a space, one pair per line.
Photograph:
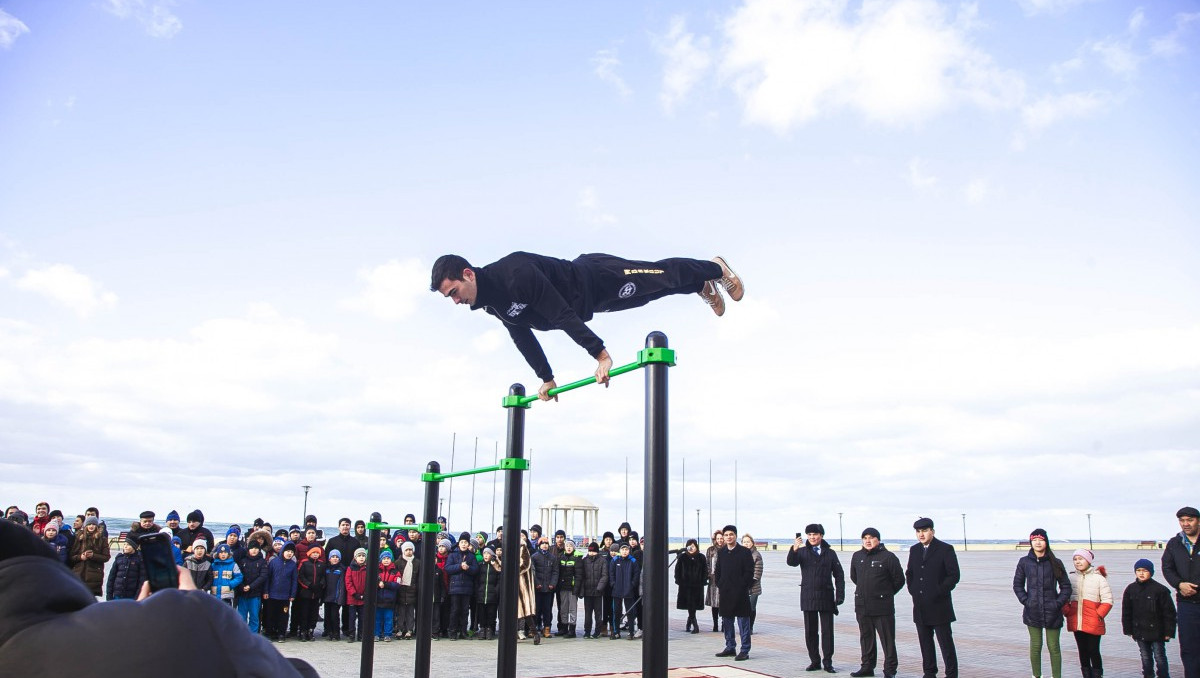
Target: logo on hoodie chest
515, 310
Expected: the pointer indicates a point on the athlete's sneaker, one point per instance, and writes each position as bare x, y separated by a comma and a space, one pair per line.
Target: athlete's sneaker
730, 280
712, 296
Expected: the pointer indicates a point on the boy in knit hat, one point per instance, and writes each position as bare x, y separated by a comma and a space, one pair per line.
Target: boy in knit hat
385, 601
200, 566
356, 589
1148, 616
334, 595
226, 574
406, 598
461, 569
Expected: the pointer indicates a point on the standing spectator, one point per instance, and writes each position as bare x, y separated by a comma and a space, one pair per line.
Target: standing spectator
1181, 569
356, 589
144, 525
691, 576
756, 588
173, 524
823, 590
712, 597
545, 583
88, 555
385, 600
200, 567
625, 573
345, 543
406, 597
310, 582
594, 570
226, 573
93, 511
440, 583
126, 575
281, 591
334, 595
570, 587
1091, 601
360, 533
487, 594
56, 540
526, 602
254, 582
607, 553
735, 575
932, 574
877, 578
1148, 616
196, 530
461, 569
41, 516
1042, 586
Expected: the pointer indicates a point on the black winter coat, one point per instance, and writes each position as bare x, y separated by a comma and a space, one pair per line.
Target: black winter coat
570, 573
822, 581
254, 575
1041, 592
125, 576
1147, 612
877, 578
931, 578
408, 594
310, 580
462, 582
594, 575
734, 576
334, 588
625, 575
545, 571
1179, 566
487, 583
691, 575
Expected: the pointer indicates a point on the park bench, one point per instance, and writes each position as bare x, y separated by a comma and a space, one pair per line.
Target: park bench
1148, 544
1023, 545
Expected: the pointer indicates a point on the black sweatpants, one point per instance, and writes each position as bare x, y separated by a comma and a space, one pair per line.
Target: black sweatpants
884, 626
275, 617
593, 608
618, 284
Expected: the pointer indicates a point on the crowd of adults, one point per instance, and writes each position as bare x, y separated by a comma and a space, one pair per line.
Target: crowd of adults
283, 582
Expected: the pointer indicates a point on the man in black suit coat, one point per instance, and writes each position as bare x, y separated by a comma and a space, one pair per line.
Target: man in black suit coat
931, 575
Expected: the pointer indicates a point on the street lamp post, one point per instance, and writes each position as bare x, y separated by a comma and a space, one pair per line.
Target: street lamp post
697, 526
305, 514
964, 531
1090, 546
841, 535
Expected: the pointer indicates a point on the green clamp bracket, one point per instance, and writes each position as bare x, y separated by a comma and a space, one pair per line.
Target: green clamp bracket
515, 401
514, 463
647, 356
429, 528
431, 477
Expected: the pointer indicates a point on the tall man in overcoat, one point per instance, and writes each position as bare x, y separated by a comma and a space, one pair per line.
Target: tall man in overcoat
932, 574
735, 576
1181, 569
877, 577
822, 590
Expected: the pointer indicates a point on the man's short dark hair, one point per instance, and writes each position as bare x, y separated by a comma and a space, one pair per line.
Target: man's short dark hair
447, 267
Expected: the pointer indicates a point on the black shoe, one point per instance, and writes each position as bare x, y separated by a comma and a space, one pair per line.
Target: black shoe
715, 629
815, 666
614, 636
695, 630
742, 656
862, 673
727, 653
829, 668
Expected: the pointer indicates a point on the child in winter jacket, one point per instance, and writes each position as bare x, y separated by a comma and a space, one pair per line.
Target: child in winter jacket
126, 575
1091, 600
356, 590
334, 596
200, 566
406, 598
487, 594
310, 581
281, 591
254, 585
1148, 616
385, 600
226, 574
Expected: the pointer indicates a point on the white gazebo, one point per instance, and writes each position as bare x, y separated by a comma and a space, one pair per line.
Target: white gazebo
570, 513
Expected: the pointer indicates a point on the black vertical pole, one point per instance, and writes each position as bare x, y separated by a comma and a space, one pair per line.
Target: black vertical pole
427, 573
654, 598
510, 566
367, 623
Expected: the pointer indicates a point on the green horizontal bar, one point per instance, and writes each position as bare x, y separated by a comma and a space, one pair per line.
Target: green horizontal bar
522, 401
385, 526
439, 477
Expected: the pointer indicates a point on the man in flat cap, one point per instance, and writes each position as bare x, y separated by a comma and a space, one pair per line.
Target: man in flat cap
822, 590
734, 576
932, 574
877, 578
1181, 569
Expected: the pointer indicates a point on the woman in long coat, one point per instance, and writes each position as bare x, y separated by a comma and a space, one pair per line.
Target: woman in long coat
88, 555
756, 587
712, 597
526, 601
691, 575
1042, 586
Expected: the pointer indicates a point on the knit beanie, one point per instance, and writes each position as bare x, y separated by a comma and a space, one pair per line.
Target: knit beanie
359, 551
173, 515
1039, 533
489, 552
386, 553
407, 546
1085, 554
221, 548
447, 543
196, 515
870, 532
91, 520
1144, 564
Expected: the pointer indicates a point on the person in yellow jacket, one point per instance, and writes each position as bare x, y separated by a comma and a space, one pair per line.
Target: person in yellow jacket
1091, 600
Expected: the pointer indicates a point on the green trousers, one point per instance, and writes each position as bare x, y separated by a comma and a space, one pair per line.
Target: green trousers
1035, 651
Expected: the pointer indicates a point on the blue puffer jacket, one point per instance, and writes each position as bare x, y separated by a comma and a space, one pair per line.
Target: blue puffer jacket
282, 578
335, 590
545, 571
1042, 594
125, 577
60, 544
624, 573
462, 582
227, 577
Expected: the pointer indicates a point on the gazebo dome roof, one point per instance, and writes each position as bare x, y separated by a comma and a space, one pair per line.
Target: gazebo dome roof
568, 501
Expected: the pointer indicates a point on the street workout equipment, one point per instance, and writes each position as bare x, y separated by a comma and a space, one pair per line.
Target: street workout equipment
655, 358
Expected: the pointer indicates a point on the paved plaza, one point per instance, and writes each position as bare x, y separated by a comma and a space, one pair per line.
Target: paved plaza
990, 637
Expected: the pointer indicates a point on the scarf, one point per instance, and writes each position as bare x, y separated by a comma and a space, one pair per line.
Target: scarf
1187, 543
406, 577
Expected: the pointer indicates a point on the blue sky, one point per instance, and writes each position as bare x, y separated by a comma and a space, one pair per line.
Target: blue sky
968, 231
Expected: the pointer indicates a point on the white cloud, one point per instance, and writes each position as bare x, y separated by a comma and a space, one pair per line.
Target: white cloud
390, 291
1060, 71
11, 28
917, 176
687, 60
155, 16
1033, 7
605, 65
976, 191
1118, 56
1173, 43
893, 62
69, 287
589, 204
1053, 109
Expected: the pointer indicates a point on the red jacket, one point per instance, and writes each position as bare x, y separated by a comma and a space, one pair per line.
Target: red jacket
356, 584
1091, 600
